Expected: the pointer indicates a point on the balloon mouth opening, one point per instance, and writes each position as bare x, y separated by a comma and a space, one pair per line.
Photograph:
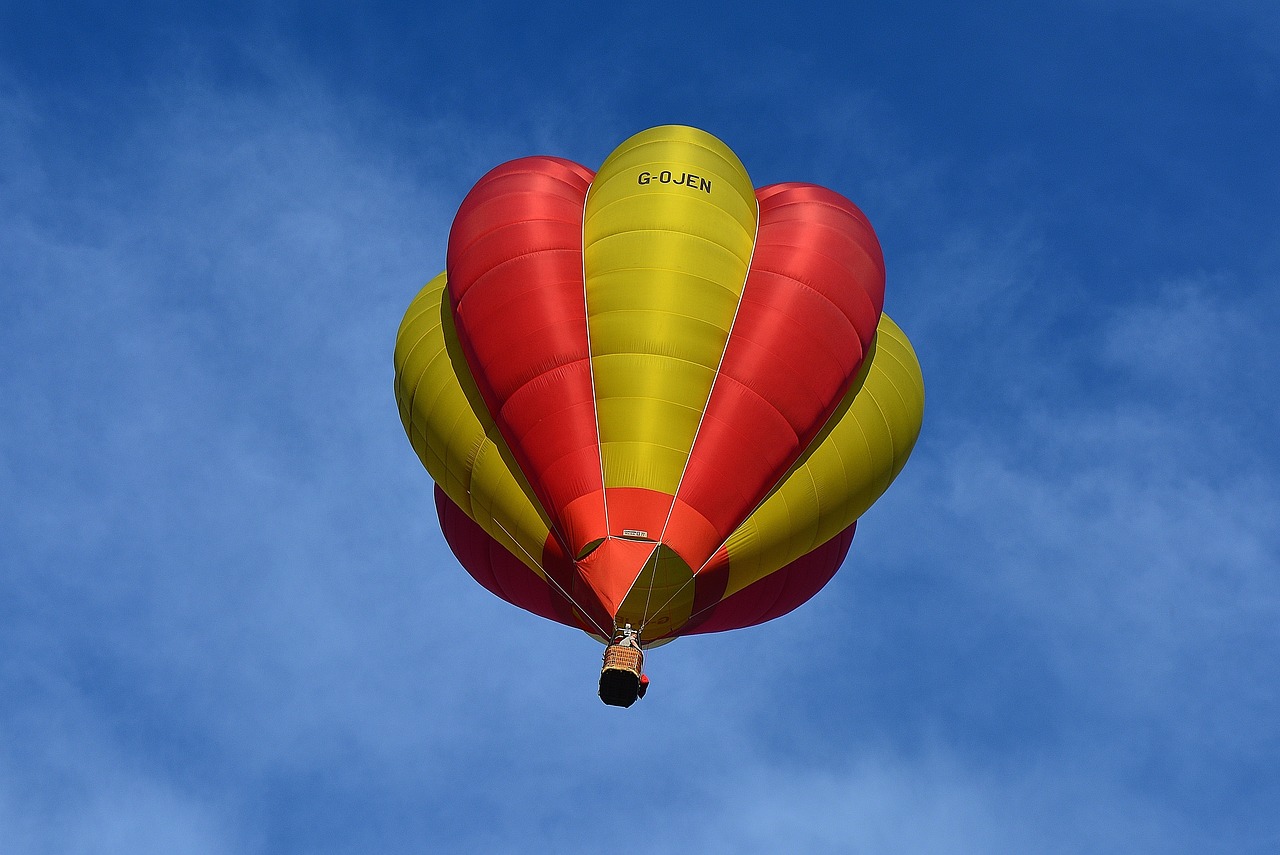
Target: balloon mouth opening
589, 548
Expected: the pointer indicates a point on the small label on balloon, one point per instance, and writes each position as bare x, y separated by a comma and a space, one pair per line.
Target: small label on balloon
634, 532
684, 179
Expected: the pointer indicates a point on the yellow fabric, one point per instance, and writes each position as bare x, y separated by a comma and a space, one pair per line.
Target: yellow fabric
453, 434
860, 452
671, 209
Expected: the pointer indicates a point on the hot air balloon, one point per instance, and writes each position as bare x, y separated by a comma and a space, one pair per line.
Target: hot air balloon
654, 399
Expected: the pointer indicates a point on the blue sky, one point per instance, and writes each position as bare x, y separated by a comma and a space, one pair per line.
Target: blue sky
228, 623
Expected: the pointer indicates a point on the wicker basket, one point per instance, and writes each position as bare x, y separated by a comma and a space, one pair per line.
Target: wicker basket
623, 658
620, 676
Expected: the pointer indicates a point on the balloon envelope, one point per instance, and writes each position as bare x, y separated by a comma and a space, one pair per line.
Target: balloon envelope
655, 395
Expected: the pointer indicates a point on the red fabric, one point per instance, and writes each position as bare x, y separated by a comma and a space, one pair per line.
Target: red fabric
809, 311
515, 282
608, 572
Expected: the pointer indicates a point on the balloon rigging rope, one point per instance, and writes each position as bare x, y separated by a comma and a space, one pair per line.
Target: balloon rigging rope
546, 575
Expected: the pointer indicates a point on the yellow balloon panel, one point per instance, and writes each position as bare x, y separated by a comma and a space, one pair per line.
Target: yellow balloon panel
646, 375
639, 339
669, 229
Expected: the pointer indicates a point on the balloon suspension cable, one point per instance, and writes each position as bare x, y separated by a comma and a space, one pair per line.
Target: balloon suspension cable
603, 632
653, 575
